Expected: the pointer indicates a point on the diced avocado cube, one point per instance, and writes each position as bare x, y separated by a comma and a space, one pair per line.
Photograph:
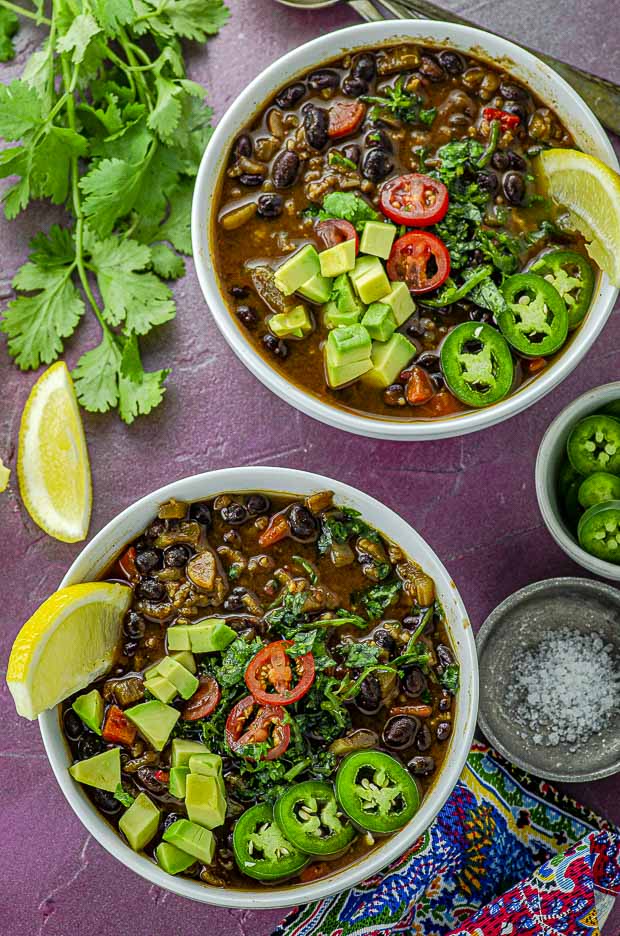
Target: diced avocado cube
102, 771
177, 637
154, 721
184, 681
191, 839
377, 239
400, 302
296, 322
139, 823
370, 279
316, 289
389, 358
177, 781
333, 317
348, 344
210, 635
206, 764
297, 270
340, 374
89, 707
338, 259
205, 801
379, 321
344, 296
186, 659
182, 749
171, 859
161, 688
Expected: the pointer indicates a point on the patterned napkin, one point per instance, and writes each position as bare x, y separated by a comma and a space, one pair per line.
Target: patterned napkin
501, 832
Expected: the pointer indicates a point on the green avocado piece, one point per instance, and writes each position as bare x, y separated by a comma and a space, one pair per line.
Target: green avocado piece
340, 374
186, 659
333, 317
338, 259
389, 358
370, 279
316, 289
154, 721
379, 321
348, 344
192, 839
139, 823
206, 764
181, 678
400, 302
205, 801
102, 771
377, 239
297, 322
210, 635
177, 638
344, 296
297, 270
171, 859
182, 749
89, 707
161, 688
177, 781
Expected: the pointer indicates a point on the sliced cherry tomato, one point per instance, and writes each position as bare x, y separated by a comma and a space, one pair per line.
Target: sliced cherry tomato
506, 121
127, 563
415, 200
204, 700
344, 118
117, 729
276, 530
421, 260
242, 729
272, 667
334, 231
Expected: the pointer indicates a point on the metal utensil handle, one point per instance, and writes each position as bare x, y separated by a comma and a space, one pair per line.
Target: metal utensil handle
601, 95
367, 11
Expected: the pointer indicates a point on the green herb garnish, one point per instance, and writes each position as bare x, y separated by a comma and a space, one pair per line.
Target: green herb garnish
402, 104
338, 161
380, 597
349, 207
449, 678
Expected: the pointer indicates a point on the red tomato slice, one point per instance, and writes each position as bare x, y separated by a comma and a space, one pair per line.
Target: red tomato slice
415, 200
268, 721
421, 260
334, 231
272, 667
127, 563
506, 121
344, 118
204, 700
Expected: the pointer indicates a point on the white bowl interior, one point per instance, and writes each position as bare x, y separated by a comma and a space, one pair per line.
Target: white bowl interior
584, 126
105, 546
550, 455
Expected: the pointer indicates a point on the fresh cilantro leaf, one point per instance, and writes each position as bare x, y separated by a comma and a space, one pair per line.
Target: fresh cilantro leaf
54, 249
139, 391
287, 617
95, 376
379, 597
339, 161
190, 19
164, 119
76, 40
9, 24
122, 795
450, 292
20, 110
235, 659
361, 655
166, 262
427, 116
111, 190
113, 14
417, 654
404, 105
307, 567
340, 527
349, 206
487, 296
302, 642
177, 227
449, 678
456, 155
36, 74
50, 163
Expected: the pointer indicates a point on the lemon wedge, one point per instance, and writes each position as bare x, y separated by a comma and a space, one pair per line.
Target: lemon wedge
590, 191
52, 464
5, 474
67, 643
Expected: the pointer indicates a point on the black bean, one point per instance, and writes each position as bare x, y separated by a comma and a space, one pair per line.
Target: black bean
247, 315
323, 80
376, 164
414, 682
106, 802
269, 205
303, 524
176, 556
285, 168
422, 766
238, 292
134, 625
394, 395
364, 67
201, 512
431, 68
353, 86
520, 110
235, 514
399, 732
234, 602
379, 138
276, 346
513, 92
383, 639
155, 529
73, 724
368, 699
488, 181
513, 185
316, 124
130, 647
429, 361
451, 62
251, 179
500, 160
169, 818
415, 329
444, 655
353, 152
445, 703
147, 778
89, 745
148, 561
151, 589
288, 97
515, 161
242, 146
257, 504
424, 739
443, 731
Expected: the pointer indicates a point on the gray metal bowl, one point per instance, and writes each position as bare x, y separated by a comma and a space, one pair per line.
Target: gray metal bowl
518, 624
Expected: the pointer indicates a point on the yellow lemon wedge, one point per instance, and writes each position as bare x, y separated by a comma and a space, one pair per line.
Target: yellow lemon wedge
590, 191
5, 474
52, 464
67, 643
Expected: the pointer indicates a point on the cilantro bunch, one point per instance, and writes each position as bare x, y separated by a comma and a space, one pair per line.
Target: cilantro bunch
106, 123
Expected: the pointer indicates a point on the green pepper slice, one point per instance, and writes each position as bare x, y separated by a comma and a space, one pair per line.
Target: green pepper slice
376, 791
310, 817
599, 531
612, 409
572, 276
261, 849
477, 364
594, 445
599, 487
534, 320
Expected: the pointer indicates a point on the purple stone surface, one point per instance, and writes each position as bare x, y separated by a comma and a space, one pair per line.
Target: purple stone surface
473, 498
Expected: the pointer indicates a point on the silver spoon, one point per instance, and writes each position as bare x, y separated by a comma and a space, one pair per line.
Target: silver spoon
601, 95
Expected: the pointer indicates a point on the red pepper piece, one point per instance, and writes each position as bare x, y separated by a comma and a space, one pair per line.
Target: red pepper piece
506, 121
127, 563
117, 729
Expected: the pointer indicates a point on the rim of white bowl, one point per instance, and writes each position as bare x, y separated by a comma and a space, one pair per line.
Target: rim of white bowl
550, 449
129, 523
588, 133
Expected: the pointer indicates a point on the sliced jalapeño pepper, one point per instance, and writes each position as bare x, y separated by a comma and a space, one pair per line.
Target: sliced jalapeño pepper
477, 364
599, 487
571, 275
534, 320
376, 791
594, 445
309, 815
261, 849
599, 531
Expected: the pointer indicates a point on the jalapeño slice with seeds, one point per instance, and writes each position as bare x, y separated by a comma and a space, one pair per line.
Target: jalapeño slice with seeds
310, 817
594, 445
477, 364
376, 791
599, 487
572, 277
599, 531
534, 320
261, 849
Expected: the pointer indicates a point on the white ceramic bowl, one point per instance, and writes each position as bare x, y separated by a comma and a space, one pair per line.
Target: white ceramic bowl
106, 545
551, 451
588, 135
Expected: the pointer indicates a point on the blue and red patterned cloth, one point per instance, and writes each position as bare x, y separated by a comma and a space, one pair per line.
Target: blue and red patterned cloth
507, 855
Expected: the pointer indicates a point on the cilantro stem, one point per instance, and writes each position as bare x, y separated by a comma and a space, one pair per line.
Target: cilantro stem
29, 14
128, 48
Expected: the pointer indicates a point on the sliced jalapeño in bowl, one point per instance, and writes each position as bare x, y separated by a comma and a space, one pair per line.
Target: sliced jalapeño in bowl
534, 319
572, 277
477, 364
310, 816
376, 791
262, 851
